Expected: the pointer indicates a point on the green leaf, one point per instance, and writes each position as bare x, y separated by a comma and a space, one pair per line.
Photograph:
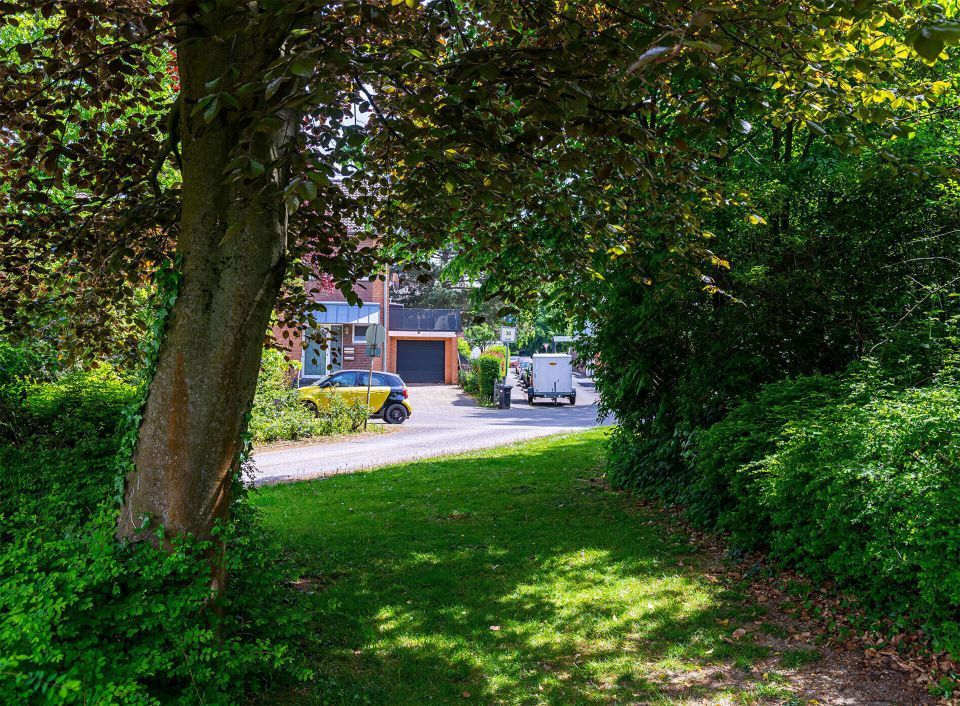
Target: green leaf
649, 56
274, 86
235, 164
946, 32
302, 66
927, 45
212, 110
308, 190
268, 123
202, 104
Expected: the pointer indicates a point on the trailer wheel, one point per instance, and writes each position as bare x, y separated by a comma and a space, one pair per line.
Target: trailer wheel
530, 400
573, 399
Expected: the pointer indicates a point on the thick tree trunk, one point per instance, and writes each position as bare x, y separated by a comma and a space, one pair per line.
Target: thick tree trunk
188, 444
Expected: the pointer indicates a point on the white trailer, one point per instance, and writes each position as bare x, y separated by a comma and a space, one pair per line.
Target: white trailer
552, 377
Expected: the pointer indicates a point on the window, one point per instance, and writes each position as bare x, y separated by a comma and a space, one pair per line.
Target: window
360, 334
343, 380
379, 380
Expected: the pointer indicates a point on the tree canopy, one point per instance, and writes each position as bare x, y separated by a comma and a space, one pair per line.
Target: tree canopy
519, 114
256, 143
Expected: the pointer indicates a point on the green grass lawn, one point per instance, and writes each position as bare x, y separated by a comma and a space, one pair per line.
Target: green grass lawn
511, 576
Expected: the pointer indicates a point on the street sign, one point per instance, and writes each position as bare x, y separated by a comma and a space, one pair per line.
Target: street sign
376, 335
508, 334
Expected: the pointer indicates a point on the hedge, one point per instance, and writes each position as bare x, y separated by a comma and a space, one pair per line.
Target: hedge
489, 373
851, 478
85, 619
500, 352
279, 415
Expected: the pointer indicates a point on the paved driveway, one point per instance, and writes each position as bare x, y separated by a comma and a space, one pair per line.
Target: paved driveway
444, 421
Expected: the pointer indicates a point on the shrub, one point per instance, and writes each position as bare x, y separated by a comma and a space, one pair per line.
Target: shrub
464, 349
85, 619
467, 378
80, 406
21, 363
342, 417
28, 407
58, 458
63, 484
500, 351
653, 463
277, 412
852, 479
488, 373
726, 469
88, 620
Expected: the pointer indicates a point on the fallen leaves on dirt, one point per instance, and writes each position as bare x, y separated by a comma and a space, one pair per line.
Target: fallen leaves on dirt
856, 660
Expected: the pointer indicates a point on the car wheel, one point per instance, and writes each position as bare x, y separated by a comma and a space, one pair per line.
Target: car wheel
395, 414
311, 407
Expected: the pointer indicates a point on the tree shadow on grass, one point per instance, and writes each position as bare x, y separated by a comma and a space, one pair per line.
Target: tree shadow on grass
512, 577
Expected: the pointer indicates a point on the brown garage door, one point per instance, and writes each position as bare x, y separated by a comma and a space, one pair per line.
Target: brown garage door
420, 361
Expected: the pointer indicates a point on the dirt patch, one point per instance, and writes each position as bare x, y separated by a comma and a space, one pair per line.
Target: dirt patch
815, 656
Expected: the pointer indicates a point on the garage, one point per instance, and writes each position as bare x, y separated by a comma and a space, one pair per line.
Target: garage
421, 361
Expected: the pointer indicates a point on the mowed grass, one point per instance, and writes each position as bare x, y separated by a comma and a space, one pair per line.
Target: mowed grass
512, 576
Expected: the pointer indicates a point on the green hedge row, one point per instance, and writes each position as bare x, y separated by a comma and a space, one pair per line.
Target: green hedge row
87, 620
489, 373
853, 478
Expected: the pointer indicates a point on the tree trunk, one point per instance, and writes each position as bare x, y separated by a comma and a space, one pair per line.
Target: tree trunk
189, 439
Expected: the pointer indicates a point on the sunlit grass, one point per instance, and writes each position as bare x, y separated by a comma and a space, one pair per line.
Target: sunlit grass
512, 576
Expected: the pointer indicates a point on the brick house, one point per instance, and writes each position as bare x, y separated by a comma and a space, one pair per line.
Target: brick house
421, 343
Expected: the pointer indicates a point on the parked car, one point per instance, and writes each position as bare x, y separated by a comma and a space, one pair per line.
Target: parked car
517, 361
388, 393
524, 371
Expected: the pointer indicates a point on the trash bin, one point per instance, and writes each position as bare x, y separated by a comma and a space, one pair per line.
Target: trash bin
503, 402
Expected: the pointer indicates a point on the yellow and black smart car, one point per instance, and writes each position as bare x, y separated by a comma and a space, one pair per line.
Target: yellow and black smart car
388, 393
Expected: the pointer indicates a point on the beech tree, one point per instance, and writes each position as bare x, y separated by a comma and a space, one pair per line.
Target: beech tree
242, 138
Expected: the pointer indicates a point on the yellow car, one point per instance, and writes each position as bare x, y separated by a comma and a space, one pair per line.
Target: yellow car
388, 393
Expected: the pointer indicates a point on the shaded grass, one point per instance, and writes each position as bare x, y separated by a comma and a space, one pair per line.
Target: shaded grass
511, 576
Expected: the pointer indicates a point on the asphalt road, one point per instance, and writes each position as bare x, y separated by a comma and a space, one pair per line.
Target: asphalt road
444, 421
